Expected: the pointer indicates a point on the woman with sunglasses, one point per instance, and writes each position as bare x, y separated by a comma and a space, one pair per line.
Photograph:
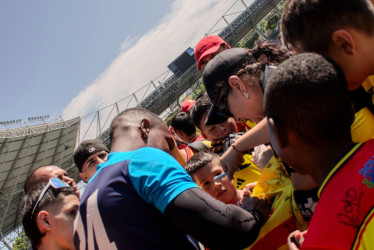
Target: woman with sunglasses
48, 213
235, 81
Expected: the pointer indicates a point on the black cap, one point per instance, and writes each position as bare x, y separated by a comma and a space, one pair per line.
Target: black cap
86, 149
218, 70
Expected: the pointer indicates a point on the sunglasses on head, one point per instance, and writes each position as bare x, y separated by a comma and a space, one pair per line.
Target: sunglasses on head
54, 183
269, 69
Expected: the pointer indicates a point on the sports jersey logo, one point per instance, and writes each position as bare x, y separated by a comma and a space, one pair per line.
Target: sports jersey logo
368, 172
91, 149
93, 233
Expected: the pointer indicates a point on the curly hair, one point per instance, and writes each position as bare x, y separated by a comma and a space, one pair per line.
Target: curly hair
265, 53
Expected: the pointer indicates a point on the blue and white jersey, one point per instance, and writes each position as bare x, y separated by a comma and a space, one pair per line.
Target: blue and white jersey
123, 204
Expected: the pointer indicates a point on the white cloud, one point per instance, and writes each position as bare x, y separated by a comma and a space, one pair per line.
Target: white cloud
141, 59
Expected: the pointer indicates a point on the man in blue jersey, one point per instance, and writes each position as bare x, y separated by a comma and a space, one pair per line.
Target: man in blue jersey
141, 198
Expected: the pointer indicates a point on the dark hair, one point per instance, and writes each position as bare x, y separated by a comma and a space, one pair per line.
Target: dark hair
132, 117
201, 107
183, 121
199, 160
309, 24
265, 53
51, 198
308, 94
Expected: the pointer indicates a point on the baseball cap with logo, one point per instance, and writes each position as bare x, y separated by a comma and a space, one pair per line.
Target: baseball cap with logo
86, 149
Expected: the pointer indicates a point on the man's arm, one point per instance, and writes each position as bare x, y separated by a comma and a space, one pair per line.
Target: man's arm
215, 224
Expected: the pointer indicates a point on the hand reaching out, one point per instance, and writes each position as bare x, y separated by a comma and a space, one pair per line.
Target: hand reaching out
295, 239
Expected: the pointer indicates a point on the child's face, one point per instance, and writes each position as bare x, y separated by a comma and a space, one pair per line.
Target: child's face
217, 131
223, 190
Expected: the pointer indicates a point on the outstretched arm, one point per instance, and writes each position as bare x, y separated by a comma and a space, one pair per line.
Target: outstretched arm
232, 158
215, 224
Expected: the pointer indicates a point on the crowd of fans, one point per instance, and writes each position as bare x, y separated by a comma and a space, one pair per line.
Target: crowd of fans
278, 153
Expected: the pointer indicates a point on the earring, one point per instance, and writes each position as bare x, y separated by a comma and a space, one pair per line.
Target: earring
246, 94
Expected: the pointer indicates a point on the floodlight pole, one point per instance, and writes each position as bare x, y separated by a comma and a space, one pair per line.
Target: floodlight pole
117, 109
244, 4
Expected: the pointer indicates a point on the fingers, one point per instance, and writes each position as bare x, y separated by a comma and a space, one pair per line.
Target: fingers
71, 183
230, 160
295, 239
251, 185
247, 191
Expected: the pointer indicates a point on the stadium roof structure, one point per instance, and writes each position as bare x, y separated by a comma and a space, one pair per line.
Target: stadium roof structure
24, 149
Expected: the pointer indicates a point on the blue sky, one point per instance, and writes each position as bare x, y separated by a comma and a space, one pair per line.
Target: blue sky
70, 58
50, 50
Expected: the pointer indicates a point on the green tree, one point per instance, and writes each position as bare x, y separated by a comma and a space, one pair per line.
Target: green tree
271, 24
21, 242
250, 43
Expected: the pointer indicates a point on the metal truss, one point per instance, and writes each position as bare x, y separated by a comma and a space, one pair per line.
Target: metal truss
24, 131
170, 90
173, 87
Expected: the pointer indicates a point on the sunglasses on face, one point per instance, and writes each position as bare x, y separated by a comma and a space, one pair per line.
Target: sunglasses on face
219, 111
54, 183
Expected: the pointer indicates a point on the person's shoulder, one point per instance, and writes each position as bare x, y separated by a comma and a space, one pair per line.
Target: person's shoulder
149, 150
148, 153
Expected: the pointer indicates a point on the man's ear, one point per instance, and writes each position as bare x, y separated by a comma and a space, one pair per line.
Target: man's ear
145, 127
344, 42
84, 177
43, 221
171, 130
236, 83
279, 134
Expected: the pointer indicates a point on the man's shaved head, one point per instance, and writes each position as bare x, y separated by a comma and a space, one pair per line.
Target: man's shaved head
43, 174
136, 127
132, 117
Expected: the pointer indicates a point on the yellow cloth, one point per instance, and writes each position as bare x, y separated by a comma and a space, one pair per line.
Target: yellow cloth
248, 173
250, 124
275, 184
362, 128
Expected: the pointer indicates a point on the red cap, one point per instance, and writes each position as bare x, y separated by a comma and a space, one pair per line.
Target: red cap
187, 105
207, 45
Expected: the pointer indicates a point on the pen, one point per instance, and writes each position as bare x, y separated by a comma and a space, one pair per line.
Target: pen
219, 177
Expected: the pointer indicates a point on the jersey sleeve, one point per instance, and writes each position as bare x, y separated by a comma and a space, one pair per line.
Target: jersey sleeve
158, 177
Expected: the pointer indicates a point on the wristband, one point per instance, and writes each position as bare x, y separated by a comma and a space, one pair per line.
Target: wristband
234, 147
